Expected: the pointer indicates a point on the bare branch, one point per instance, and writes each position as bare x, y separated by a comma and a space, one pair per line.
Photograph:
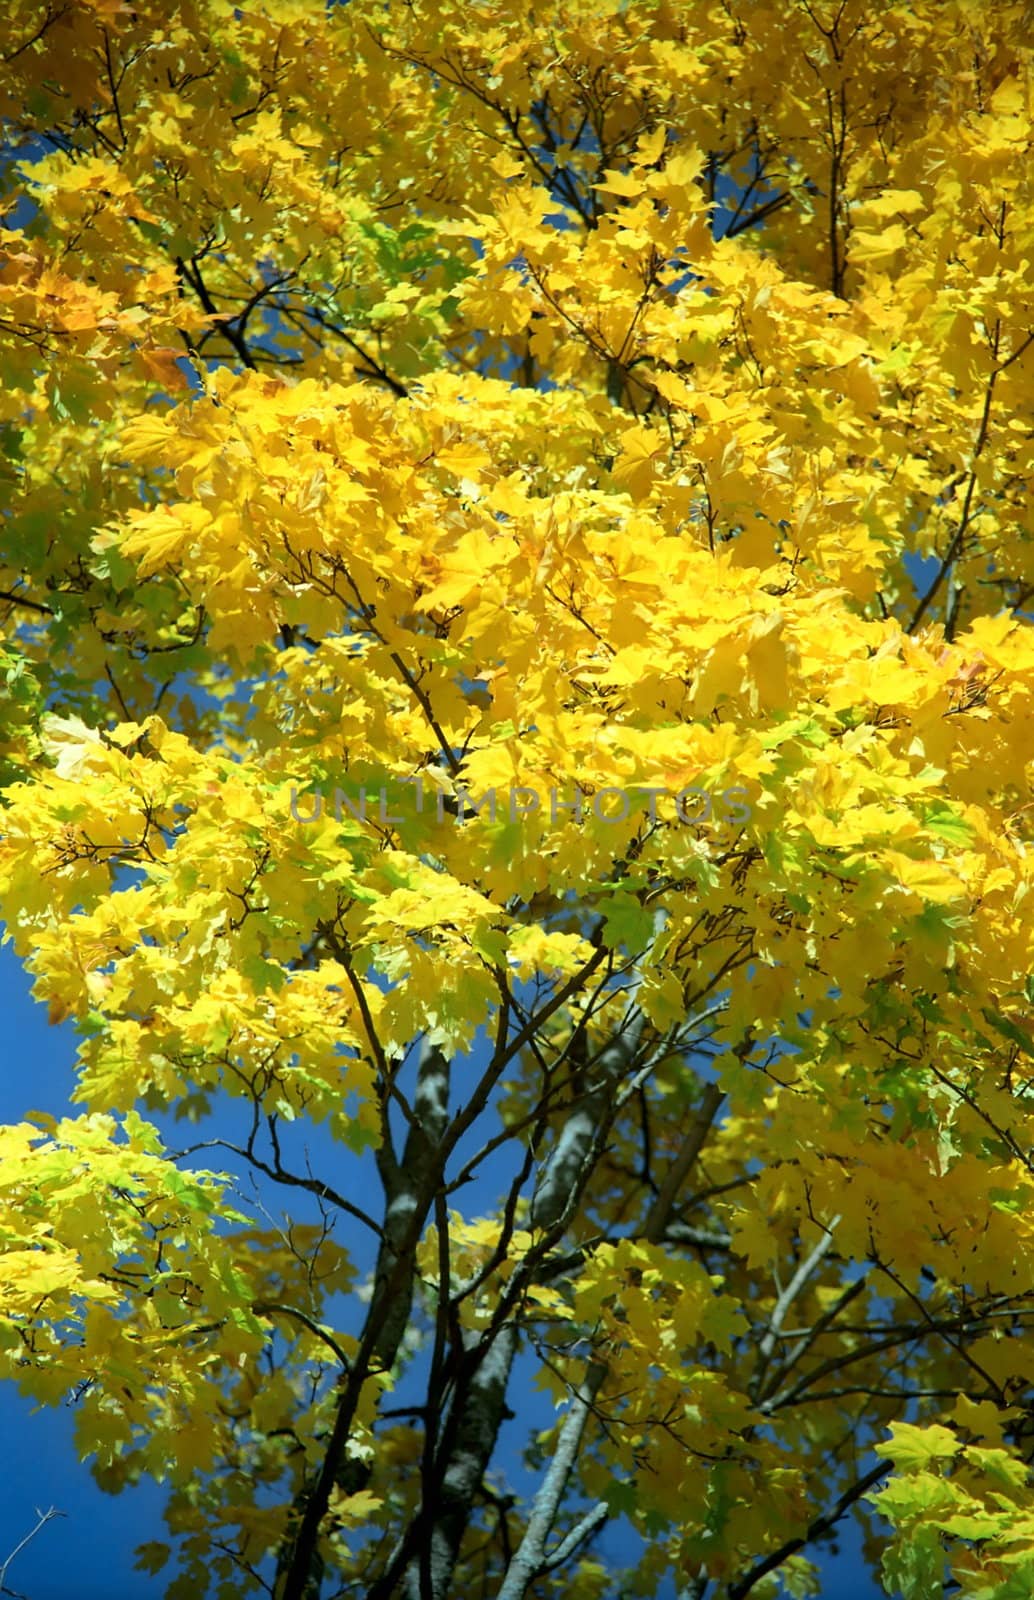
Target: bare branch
44, 1518
815, 1530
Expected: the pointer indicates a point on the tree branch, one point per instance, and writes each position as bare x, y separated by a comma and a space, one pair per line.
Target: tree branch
815, 1530
696, 1136
44, 1518
531, 1559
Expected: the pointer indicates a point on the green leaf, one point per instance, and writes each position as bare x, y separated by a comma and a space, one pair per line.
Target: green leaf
913, 1447
152, 1556
947, 824
915, 1566
627, 924
1009, 1030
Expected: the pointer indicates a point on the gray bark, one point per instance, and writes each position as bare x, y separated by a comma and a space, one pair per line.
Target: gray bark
480, 1412
409, 1188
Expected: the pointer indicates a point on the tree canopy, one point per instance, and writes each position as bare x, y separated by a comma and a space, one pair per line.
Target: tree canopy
516, 688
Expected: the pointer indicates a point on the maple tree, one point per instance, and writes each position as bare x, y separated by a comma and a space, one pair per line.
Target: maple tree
516, 685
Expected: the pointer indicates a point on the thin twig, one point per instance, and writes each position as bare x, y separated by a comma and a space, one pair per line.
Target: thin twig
44, 1518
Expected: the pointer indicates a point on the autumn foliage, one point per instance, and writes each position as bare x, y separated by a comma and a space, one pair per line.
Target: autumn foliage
516, 687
